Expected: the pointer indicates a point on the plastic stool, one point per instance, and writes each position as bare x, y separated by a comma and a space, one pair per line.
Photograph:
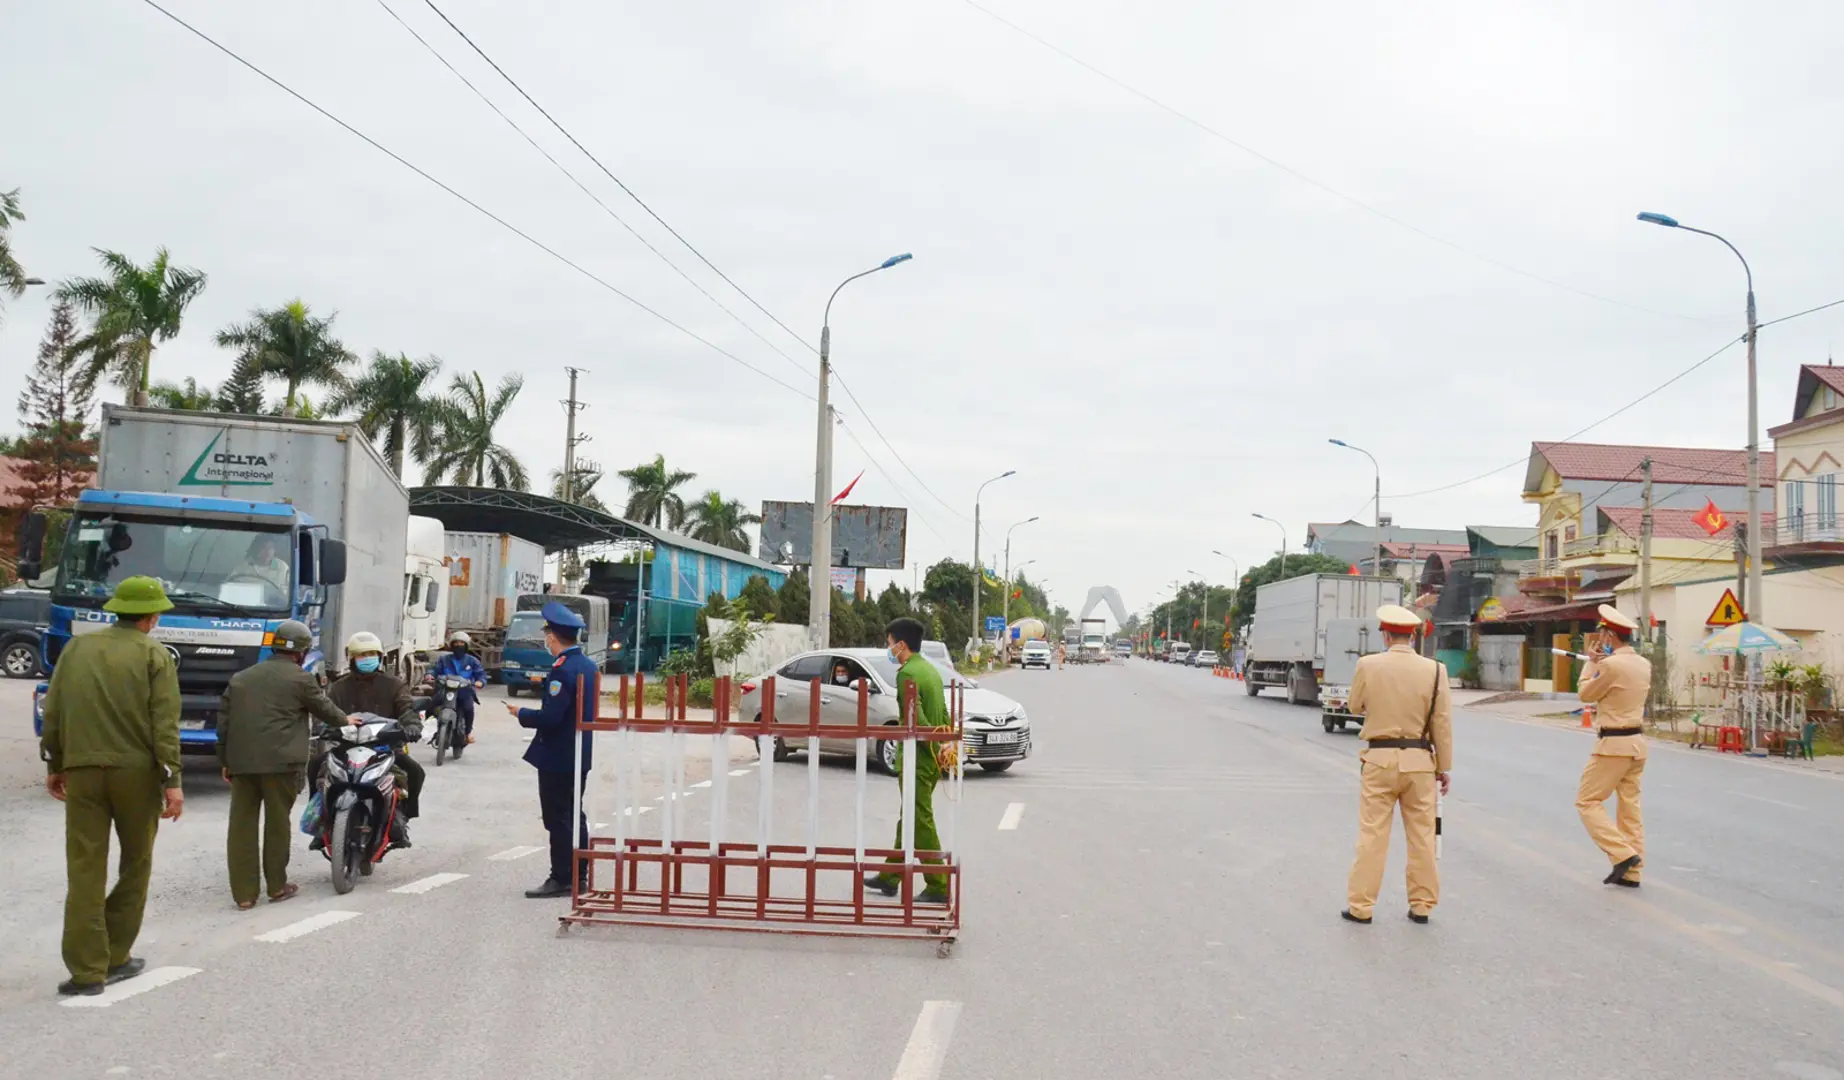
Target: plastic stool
1729, 741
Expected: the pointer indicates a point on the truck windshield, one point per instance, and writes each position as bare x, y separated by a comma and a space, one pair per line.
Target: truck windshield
526, 631
206, 567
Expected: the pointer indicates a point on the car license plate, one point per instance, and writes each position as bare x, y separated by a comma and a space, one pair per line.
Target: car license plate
1001, 738
535, 678
191, 725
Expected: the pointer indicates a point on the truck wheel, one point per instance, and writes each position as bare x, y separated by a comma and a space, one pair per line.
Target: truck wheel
20, 660
1249, 685
1330, 724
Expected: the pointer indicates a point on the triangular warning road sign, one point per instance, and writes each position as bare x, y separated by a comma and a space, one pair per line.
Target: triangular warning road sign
1727, 612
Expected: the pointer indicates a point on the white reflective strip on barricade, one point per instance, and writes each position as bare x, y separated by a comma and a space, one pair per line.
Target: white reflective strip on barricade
909, 806
720, 775
624, 748
861, 744
813, 795
765, 799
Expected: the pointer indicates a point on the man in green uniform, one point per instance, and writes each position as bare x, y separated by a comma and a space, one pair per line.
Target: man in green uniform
905, 644
263, 750
110, 740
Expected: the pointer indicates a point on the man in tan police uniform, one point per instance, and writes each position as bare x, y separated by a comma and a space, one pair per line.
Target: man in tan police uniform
1408, 748
1616, 683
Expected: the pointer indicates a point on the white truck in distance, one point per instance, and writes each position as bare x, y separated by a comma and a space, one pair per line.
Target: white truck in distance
1094, 642
1308, 634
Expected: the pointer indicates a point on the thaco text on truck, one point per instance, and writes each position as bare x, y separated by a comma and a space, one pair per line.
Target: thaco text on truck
1308, 634
246, 521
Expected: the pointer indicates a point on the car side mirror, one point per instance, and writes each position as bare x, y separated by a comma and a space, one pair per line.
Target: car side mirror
31, 545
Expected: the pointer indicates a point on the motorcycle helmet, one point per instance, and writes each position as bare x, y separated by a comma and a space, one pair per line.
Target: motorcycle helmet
363, 642
292, 636
459, 637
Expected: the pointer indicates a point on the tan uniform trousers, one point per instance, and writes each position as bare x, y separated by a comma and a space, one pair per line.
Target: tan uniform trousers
1620, 838
1382, 788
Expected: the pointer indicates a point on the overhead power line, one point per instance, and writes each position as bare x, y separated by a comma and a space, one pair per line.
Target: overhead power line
477, 207
1310, 181
663, 223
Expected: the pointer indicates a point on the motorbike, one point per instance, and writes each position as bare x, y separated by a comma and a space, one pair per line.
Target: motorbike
444, 703
359, 796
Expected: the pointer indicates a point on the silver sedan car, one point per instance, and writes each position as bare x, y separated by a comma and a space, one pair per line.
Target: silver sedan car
996, 733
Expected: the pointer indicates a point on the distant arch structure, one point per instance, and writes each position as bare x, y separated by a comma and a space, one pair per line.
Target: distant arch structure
1109, 595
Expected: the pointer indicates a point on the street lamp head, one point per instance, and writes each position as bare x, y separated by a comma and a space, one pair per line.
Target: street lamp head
1027, 521
34, 281
1666, 220
1263, 517
1338, 442
1008, 472
894, 259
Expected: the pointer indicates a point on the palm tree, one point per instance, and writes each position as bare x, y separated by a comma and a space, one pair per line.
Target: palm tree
582, 486
717, 520
394, 398
12, 275
465, 448
289, 343
652, 493
131, 308
189, 396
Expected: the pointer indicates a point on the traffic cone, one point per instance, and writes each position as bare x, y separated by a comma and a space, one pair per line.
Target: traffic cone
1587, 716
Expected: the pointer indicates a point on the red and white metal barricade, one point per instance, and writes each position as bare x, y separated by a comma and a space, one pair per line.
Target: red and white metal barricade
669, 877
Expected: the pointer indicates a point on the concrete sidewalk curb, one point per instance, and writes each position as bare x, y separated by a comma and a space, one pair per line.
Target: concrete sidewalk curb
1830, 765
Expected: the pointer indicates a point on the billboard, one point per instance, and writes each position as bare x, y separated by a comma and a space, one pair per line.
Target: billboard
873, 537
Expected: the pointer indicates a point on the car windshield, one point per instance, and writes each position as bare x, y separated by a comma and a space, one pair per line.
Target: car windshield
205, 567
526, 631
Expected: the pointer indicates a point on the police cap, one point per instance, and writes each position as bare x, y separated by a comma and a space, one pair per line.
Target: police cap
556, 614
1397, 619
1615, 619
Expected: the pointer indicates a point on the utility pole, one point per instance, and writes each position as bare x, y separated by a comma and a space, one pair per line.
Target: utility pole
1645, 557
567, 566
1741, 565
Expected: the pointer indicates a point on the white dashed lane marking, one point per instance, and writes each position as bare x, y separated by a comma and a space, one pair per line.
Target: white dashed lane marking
307, 926
153, 979
927, 1049
433, 881
1012, 813
515, 853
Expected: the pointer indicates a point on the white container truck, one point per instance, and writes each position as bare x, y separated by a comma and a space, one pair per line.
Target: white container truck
487, 573
247, 521
425, 595
1303, 621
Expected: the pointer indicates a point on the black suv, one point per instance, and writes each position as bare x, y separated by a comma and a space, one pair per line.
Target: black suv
23, 615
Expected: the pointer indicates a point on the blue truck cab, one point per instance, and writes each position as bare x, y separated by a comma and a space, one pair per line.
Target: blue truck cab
525, 662
234, 570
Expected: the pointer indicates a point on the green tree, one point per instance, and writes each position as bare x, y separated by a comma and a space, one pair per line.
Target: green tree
793, 599
395, 400
758, 597
242, 393
652, 493
845, 630
894, 603
290, 344
12, 275
55, 454
466, 450
582, 486
189, 395
717, 520
130, 308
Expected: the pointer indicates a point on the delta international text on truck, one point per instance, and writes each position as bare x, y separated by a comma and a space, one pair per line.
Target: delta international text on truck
247, 521
1308, 634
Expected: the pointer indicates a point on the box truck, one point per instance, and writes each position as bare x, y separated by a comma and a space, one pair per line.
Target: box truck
1309, 626
487, 573
247, 521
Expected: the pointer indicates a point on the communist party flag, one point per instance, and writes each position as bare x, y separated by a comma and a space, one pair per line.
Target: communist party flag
1712, 519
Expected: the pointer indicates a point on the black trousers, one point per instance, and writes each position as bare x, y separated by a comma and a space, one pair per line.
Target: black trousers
555, 793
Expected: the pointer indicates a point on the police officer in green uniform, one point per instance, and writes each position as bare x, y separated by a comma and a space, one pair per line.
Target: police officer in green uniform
110, 740
905, 644
263, 749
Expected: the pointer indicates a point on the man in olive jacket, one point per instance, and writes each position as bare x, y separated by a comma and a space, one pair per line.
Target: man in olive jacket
263, 750
110, 741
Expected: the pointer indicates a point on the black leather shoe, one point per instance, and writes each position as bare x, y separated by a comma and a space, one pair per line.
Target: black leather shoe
929, 896
877, 883
319, 844
550, 890
72, 988
1627, 883
1419, 920
1348, 917
1620, 868
127, 969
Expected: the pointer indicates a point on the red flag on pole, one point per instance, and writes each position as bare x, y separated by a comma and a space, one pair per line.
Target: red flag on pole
1711, 518
840, 497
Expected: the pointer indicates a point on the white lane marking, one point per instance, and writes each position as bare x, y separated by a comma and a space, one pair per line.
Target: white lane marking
739, 772
702, 783
307, 926
1765, 799
152, 979
600, 825
1012, 814
514, 853
433, 881
928, 1041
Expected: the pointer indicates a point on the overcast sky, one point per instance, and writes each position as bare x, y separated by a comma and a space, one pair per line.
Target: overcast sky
1157, 329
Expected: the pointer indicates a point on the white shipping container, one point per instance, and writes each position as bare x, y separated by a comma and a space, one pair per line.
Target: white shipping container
486, 574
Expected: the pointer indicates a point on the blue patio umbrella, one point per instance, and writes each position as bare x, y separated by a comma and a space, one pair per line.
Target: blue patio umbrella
1746, 639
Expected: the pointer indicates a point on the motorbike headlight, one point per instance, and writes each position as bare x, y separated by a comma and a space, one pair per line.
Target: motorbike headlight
377, 769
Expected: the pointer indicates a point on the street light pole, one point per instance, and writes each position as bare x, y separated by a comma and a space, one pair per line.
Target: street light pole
977, 632
1754, 605
1006, 604
819, 602
1283, 530
1203, 623
1376, 567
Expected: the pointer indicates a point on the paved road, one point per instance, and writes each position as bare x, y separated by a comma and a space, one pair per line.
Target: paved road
1165, 905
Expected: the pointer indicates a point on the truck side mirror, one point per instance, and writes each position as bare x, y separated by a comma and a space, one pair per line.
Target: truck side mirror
31, 545
332, 563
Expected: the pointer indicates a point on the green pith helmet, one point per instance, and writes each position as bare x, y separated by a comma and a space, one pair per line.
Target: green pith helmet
138, 596
292, 636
